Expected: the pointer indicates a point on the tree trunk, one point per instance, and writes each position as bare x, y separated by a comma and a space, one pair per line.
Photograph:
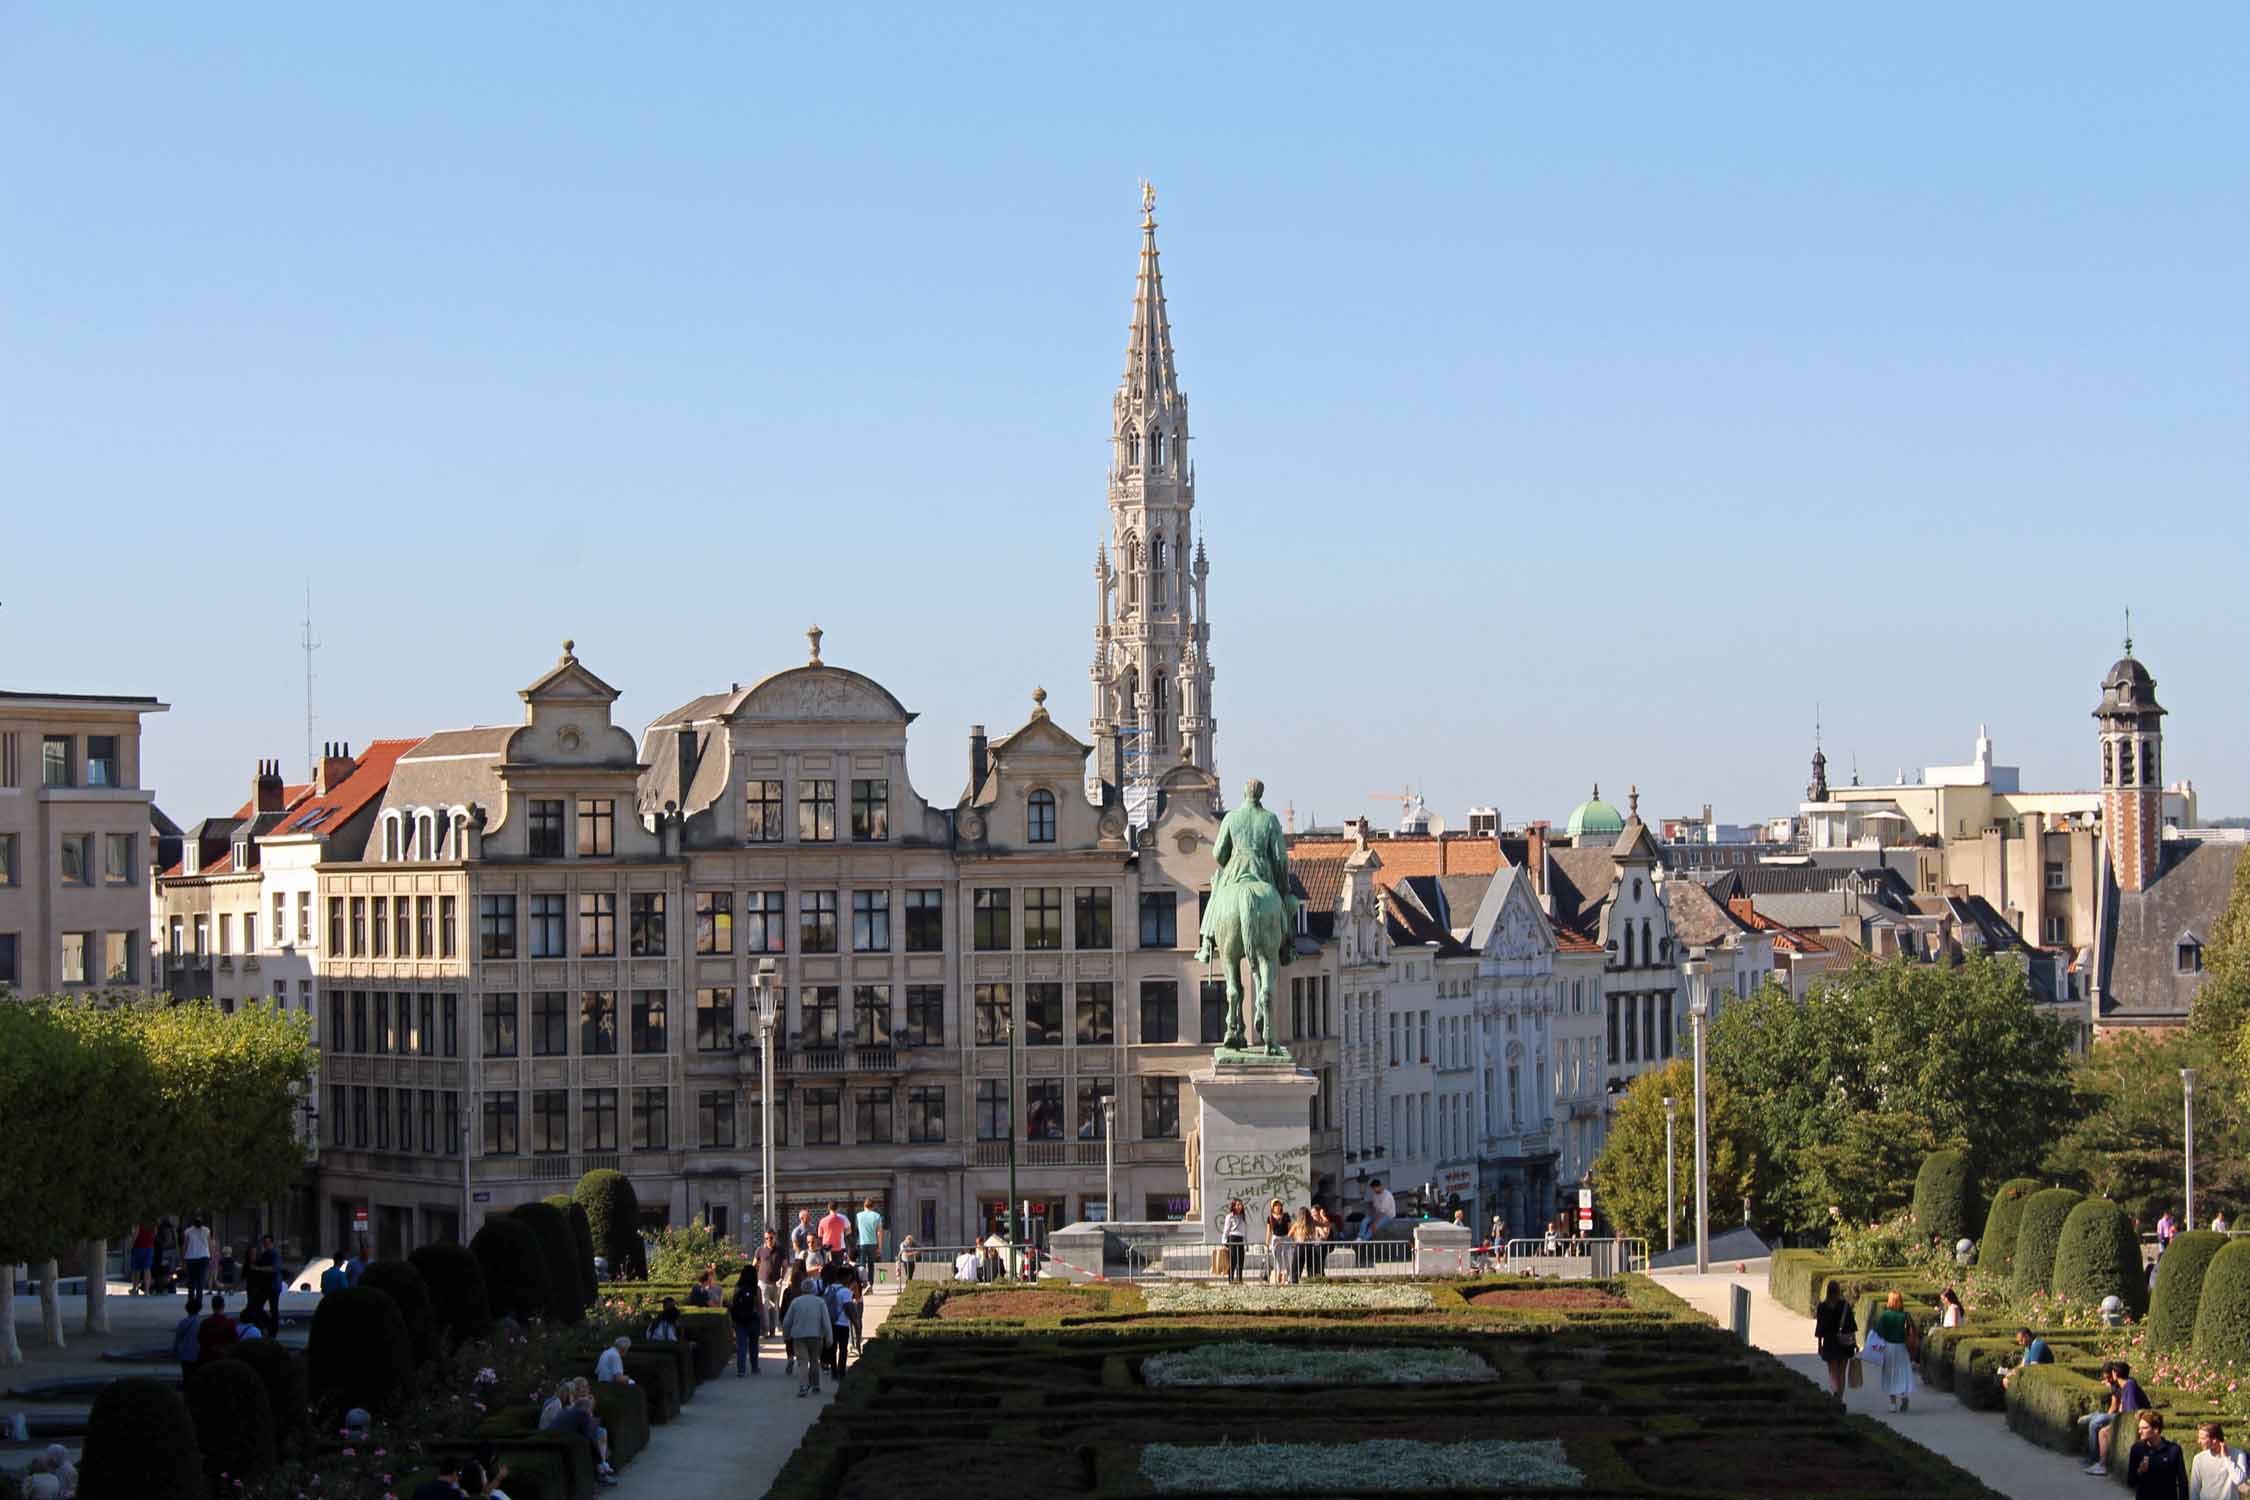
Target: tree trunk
11, 1352
97, 1286
50, 1303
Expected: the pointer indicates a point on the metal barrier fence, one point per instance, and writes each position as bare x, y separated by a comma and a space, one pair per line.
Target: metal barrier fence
1582, 1258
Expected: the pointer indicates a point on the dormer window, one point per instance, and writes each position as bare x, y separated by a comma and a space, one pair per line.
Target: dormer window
1039, 817
2188, 958
242, 854
390, 839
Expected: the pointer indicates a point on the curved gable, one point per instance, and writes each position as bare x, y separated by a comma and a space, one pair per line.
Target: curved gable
820, 694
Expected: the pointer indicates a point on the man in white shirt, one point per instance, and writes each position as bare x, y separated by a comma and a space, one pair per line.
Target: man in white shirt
965, 1265
1382, 1208
2217, 1468
195, 1254
611, 1366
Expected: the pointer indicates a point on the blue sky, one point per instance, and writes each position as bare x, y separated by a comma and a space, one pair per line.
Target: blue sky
1575, 395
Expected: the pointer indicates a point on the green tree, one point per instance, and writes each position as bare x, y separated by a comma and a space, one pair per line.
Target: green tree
2221, 1010
230, 1085
1629, 1174
2126, 1144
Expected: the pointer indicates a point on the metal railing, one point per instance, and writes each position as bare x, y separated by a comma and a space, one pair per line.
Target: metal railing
1580, 1257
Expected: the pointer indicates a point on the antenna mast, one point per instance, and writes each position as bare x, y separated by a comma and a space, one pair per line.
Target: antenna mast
309, 646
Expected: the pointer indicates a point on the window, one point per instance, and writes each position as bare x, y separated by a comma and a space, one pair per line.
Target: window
425, 935
54, 760
925, 1015
1091, 1094
359, 926
10, 964
1043, 1109
816, 921
118, 867
117, 958
990, 917
2058, 876
2189, 957
649, 1031
765, 922
428, 1100
226, 932
761, 812
597, 924
425, 1034
597, 1023
1212, 1003
871, 1015
1613, 1053
925, 1114
816, 812
714, 921
74, 946
1042, 1015
645, 924
2057, 930
448, 926
714, 1020
1160, 919
1097, 1013
652, 1119
401, 916
1042, 917
597, 826
1091, 904
546, 925
925, 921
992, 1015
550, 1121
78, 860
597, 1120
1039, 817
359, 1114
382, 1118
1160, 1108
336, 928
499, 1025
992, 1109
818, 1017
780, 1118
8, 860
871, 1124
871, 921
11, 770
546, 827
824, 1117
1160, 1010
871, 811
359, 1020
714, 1119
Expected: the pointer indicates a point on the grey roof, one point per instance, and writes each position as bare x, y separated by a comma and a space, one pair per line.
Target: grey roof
485, 739
1820, 911
1463, 894
1579, 883
1697, 920
1494, 902
2141, 930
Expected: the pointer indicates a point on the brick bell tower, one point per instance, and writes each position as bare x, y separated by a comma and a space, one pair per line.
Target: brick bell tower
2132, 735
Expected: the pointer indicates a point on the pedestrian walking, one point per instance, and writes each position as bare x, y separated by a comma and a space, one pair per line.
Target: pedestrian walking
834, 1229
263, 1280
143, 1260
838, 1294
2166, 1227
195, 1253
187, 1348
167, 1253
2218, 1226
2155, 1469
1234, 1232
217, 1333
869, 1227
1895, 1333
802, 1241
1836, 1335
770, 1263
2217, 1472
746, 1311
806, 1325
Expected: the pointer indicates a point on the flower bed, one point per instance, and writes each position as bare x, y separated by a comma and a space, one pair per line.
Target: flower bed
1284, 1364
1376, 1464
1243, 1297
1012, 1306
1561, 1299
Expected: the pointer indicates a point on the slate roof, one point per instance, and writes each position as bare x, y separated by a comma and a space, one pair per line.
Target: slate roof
2137, 965
1412, 924
1788, 939
1697, 920
1579, 882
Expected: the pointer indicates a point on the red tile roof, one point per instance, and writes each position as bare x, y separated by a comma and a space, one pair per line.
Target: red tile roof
1571, 940
1322, 878
1407, 855
1790, 939
371, 774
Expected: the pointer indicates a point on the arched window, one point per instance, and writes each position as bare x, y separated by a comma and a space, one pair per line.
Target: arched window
1132, 447
1628, 945
2125, 775
1039, 817
1163, 726
425, 837
1158, 556
2148, 764
1155, 446
390, 837
1648, 949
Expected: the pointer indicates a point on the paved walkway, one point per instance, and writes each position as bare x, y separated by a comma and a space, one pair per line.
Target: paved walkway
1978, 1441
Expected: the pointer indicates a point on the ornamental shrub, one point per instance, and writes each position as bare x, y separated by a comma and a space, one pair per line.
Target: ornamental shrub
2099, 1255
2222, 1315
515, 1268
1997, 1250
566, 1302
281, 1370
613, 1211
2179, 1288
455, 1282
360, 1353
1945, 1194
582, 1240
2037, 1236
412, 1294
233, 1419
140, 1441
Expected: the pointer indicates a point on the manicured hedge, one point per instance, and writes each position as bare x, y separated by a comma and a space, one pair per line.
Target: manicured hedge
710, 1333
2179, 1288
1794, 1278
281, 1371
2099, 1256
566, 1284
140, 1442
613, 1212
2046, 1401
623, 1410
1945, 1193
412, 1294
682, 1355
2222, 1316
658, 1375
582, 1242
515, 1268
233, 1419
1997, 1250
1977, 1363
360, 1353
554, 1465
455, 1282
2039, 1235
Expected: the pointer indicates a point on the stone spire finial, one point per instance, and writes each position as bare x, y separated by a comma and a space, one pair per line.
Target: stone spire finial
2128, 630
814, 636
1039, 703
570, 650
1633, 799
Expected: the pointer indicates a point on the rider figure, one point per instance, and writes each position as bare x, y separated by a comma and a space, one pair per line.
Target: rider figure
1252, 852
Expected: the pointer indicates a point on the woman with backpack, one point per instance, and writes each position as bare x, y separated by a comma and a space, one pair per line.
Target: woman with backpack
745, 1310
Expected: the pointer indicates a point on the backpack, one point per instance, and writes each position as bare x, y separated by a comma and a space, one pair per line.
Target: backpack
185, 1347
745, 1308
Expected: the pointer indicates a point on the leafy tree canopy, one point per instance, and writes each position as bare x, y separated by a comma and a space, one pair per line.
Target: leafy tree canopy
1629, 1173
2127, 1142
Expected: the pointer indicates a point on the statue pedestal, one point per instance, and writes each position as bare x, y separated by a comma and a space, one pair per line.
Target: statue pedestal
1254, 1131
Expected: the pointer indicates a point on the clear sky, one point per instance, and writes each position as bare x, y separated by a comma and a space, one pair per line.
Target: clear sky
1576, 394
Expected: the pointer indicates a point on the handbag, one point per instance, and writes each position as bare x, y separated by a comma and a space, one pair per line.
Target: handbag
1858, 1374
1219, 1260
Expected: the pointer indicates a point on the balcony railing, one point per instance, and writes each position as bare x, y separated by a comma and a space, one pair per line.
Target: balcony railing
1043, 1153
841, 1059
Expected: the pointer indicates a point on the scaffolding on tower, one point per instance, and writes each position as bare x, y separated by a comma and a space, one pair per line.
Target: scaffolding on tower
1136, 773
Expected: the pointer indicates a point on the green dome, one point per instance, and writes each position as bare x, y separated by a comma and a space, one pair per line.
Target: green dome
1594, 816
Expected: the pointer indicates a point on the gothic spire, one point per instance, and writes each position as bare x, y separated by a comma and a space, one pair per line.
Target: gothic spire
1149, 375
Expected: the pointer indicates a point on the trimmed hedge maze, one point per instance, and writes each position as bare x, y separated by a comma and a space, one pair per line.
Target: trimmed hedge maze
1044, 1393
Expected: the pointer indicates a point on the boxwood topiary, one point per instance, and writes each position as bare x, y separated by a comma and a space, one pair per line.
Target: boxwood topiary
412, 1294
1945, 1192
613, 1210
360, 1353
566, 1302
582, 1240
1997, 1250
2222, 1314
281, 1370
2099, 1255
2038, 1235
233, 1419
140, 1441
455, 1282
515, 1268
2179, 1288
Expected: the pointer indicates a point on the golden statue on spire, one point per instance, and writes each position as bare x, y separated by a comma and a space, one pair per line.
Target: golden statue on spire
1148, 204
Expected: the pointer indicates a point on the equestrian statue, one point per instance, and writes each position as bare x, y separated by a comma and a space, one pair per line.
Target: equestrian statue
1250, 917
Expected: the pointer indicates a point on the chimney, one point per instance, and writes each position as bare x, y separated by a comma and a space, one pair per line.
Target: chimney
978, 764
335, 765
265, 789
1535, 857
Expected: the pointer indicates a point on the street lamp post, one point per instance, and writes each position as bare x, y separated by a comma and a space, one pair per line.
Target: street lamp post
1671, 1173
769, 1006
1109, 1158
1015, 1262
1699, 1010
2187, 1094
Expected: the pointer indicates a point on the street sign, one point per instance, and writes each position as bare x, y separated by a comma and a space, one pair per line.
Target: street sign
1585, 1210
480, 1196
1585, 1197
359, 1221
